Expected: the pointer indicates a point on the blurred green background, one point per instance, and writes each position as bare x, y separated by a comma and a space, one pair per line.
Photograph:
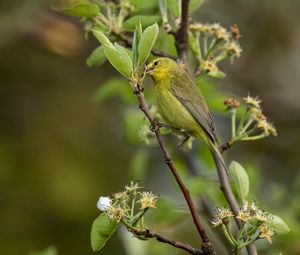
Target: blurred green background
60, 150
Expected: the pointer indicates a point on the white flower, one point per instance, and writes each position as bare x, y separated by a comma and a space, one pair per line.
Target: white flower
103, 203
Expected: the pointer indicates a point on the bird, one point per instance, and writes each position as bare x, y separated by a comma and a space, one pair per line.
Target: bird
180, 103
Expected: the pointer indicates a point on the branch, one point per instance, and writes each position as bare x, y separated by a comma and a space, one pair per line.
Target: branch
207, 245
148, 233
181, 36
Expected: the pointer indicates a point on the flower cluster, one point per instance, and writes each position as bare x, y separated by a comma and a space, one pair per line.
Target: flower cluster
257, 117
128, 205
257, 224
253, 124
215, 30
212, 44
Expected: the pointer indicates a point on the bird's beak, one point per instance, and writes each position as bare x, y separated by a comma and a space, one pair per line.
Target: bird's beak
149, 69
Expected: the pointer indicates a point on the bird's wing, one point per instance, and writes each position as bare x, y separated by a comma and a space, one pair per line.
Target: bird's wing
190, 96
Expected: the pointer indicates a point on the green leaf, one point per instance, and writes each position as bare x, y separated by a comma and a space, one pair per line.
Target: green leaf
279, 226
146, 20
163, 7
97, 57
194, 5
138, 165
166, 43
136, 40
241, 180
102, 230
194, 44
146, 43
102, 38
174, 6
144, 6
115, 87
116, 54
79, 8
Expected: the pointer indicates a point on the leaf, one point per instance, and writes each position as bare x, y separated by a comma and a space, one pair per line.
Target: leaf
241, 180
163, 7
102, 38
115, 87
146, 20
102, 230
136, 40
166, 43
279, 226
174, 7
144, 6
79, 8
146, 43
194, 5
97, 57
194, 44
116, 54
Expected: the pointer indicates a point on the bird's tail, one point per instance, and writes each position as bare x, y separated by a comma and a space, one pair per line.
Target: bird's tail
217, 155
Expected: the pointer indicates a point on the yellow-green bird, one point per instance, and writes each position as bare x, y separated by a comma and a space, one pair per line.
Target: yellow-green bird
180, 102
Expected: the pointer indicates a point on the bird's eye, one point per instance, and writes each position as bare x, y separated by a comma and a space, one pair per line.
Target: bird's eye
155, 63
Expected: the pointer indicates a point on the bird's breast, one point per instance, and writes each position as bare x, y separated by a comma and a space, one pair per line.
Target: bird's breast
172, 111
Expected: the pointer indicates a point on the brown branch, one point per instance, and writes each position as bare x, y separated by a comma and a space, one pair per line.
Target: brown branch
207, 245
181, 36
148, 233
183, 246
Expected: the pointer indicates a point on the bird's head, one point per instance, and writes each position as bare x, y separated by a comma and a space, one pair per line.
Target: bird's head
160, 68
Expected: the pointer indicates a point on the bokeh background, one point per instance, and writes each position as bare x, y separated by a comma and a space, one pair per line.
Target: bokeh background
60, 149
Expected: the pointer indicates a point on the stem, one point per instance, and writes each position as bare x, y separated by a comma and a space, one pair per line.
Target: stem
229, 236
233, 123
211, 47
246, 126
256, 137
138, 216
207, 245
133, 205
205, 46
249, 242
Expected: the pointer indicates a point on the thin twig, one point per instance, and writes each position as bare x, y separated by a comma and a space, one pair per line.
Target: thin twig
148, 233
184, 246
207, 245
